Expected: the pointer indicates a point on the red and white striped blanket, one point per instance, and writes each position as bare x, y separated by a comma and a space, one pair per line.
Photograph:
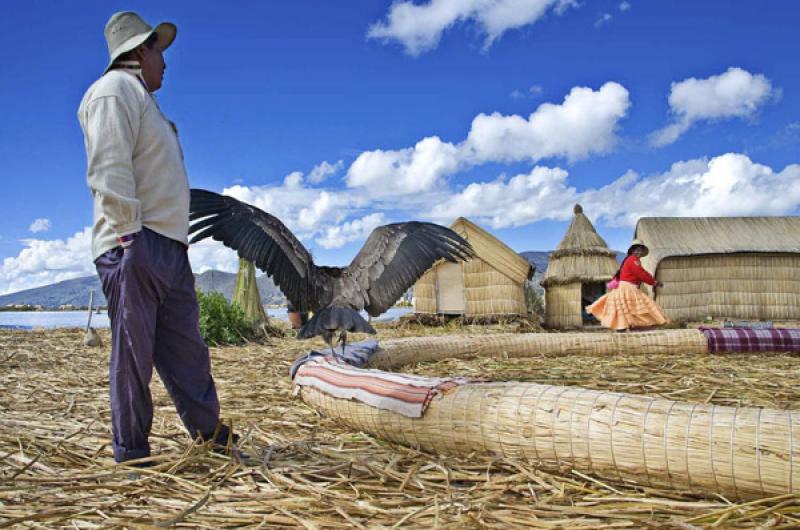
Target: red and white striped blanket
408, 395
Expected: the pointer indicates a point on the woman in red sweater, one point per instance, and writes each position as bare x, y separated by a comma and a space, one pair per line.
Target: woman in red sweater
626, 306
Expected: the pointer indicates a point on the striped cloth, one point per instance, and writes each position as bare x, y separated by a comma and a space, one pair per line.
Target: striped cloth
408, 395
355, 354
734, 340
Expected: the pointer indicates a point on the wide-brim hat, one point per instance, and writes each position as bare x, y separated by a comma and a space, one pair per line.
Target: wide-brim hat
638, 243
126, 30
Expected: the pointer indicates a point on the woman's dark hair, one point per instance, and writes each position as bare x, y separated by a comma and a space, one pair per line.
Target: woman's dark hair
630, 253
630, 250
619, 271
131, 55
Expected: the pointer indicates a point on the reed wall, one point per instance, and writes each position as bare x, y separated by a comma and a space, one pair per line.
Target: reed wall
736, 286
562, 306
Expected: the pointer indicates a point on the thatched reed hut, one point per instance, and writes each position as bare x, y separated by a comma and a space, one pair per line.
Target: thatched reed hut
489, 286
577, 272
725, 267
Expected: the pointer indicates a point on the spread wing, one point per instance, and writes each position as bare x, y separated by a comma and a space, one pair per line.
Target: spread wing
259, 237
396, 255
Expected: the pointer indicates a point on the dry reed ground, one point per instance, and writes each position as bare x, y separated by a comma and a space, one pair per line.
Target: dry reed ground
56, 469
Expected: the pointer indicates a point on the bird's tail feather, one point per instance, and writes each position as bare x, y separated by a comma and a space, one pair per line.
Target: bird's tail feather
332, 319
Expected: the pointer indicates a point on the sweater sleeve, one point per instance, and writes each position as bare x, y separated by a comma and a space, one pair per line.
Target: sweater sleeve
111, 131
642, 274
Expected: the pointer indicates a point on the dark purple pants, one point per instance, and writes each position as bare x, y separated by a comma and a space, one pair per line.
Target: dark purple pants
154, 315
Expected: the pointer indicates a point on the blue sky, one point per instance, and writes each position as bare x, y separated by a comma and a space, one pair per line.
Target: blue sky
339, 116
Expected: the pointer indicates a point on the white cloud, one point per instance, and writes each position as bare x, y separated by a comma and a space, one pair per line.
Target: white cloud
533, 91
43, 262
602, 19
309, 212
340, 235
404, 171
293, 180
419, 27
318, 174
208, 255
323, 170
727, 185
624, 6
40, 225
584, 124
325, 207
305, 210
735, 93
541, 194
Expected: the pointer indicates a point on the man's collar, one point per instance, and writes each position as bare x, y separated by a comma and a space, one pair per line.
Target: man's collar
133, 68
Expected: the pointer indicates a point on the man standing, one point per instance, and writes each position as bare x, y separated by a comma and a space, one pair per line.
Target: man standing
140, 240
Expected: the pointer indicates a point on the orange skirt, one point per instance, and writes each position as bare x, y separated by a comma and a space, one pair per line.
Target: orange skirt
627, 307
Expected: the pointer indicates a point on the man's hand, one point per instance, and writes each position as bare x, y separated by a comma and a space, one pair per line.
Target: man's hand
127, 240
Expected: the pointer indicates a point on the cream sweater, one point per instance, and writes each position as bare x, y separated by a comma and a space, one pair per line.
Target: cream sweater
135, 163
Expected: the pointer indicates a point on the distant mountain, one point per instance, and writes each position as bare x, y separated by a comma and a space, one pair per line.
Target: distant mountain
537, 258
76, 291
224, 282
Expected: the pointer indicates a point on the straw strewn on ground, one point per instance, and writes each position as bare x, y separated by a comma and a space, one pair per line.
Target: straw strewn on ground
56, 470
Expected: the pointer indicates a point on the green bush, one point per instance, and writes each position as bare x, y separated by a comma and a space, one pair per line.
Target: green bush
223, 323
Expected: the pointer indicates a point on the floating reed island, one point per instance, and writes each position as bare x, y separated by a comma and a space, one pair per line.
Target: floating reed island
313, 471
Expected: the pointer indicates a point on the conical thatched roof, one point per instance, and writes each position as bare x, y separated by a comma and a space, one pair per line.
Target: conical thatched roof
582, 256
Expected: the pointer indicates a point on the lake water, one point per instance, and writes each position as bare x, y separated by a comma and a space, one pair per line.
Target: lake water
77, 319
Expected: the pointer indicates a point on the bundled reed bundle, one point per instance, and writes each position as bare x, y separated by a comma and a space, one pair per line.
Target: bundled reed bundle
245, 293
740, 453
399, 352
703, 449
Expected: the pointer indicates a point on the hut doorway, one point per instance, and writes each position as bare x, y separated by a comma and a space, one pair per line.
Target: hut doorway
450, 289
590, 292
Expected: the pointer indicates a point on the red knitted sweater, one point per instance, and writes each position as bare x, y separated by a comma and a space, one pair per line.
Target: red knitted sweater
632, 271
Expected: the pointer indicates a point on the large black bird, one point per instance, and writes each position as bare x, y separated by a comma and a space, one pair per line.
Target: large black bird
391, 260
